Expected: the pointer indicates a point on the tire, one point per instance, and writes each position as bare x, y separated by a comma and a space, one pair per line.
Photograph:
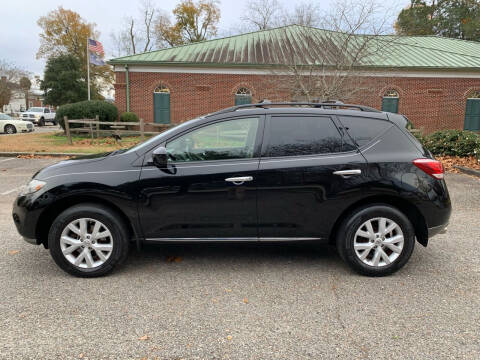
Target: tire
10, 129
41, 122
93, 213
353, 236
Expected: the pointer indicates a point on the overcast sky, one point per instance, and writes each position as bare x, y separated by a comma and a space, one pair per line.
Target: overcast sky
19, 38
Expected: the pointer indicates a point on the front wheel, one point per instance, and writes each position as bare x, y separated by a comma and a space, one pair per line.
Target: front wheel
88, 240
10, 129
41, 122
376, 240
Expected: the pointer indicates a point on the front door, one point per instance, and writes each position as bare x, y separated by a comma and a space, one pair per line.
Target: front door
210, 189
161, 107
302, 184
472, 115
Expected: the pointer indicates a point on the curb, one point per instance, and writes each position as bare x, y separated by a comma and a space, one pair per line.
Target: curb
17, 153
467, 170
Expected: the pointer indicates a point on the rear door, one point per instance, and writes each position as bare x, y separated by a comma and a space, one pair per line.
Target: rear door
309, 172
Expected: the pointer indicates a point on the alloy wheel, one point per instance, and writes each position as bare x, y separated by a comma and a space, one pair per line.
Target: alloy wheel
86, 243
378, 242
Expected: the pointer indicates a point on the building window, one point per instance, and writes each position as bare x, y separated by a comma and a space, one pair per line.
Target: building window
243, 96
390, 101
472, 112
161, 104
474, 94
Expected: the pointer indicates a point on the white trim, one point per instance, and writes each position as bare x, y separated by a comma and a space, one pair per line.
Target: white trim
256, 71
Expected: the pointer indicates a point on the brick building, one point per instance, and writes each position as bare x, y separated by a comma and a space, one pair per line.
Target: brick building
435, 81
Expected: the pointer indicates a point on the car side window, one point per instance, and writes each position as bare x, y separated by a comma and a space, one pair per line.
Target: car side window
231, 139
304, 135
47, 111
362, 129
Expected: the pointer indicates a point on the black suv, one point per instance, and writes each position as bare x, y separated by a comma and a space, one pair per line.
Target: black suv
346, 174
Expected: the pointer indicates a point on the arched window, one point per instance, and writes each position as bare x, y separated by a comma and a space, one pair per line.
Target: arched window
161, 89
161, 104
243, 96
474, 94
390, 101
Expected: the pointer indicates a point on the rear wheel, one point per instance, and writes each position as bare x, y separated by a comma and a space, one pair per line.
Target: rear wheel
376, 240
10, 129
88, 240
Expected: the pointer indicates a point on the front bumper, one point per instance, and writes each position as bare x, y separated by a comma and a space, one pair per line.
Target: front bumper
25, 216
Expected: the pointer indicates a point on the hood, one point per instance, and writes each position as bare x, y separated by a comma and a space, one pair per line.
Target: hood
96, 163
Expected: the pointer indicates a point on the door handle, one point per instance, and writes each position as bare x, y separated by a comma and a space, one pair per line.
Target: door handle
239, 180
347, 173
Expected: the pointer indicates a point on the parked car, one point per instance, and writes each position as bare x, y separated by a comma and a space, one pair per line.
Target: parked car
39, 116
347, 174
9, 125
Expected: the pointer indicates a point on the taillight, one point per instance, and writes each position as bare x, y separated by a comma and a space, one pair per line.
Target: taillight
434, 168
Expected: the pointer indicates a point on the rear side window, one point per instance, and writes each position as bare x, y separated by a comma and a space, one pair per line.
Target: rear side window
303, 135
363, 130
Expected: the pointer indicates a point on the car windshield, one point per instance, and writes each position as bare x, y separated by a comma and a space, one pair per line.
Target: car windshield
5, 117
36, 109
146, 144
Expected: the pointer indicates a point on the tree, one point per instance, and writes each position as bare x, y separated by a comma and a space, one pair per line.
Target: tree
63, 81
262, 14
66, 32
194, 22
322, 65
137, 34
25, 85
305, 13
450, 18
416, 19
10, 77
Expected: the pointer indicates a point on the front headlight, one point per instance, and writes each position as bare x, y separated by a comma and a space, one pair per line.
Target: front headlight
32, 187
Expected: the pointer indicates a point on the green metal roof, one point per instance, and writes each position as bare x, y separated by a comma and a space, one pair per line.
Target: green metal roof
280, 45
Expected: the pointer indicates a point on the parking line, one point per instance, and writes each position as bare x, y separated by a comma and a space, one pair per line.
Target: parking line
7, 159
10, 191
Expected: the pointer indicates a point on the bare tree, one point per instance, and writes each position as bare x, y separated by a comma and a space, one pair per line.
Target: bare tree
262, 14
10, 77
306, 13
321, 65
137, 33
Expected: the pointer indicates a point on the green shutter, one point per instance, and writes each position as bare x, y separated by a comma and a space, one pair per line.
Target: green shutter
390, 104
472, 115
242, 99
161, 108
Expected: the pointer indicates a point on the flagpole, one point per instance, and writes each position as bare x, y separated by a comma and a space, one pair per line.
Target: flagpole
88, 71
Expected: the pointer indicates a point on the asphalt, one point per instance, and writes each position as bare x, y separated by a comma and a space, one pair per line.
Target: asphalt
242, 301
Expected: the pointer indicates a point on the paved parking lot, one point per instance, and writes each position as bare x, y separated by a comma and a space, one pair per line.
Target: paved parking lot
242, 301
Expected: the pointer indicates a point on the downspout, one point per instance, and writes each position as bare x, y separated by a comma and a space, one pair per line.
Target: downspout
127, 81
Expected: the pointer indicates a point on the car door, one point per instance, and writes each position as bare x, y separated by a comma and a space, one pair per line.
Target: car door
309, 173
208, 190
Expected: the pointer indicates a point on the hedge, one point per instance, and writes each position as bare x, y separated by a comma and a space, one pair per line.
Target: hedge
129, 117
453, 142
86, 110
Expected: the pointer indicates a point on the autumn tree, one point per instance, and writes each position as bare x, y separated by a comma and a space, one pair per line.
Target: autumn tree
66, 32
137, 34
63, 81
193, 22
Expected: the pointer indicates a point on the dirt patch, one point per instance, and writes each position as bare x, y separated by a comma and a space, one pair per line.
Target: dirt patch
449, 161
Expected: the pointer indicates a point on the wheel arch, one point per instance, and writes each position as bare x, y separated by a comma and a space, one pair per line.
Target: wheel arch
47, 217
406, 207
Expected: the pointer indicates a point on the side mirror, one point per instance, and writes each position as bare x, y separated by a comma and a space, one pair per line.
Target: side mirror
160, 157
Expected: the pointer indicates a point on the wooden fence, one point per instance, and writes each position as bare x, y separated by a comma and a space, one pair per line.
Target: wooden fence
92, 127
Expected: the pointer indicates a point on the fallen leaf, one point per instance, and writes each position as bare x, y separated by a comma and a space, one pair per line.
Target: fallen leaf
13, 252
81, 356
176, 259
228, 290
245, 300
229, 337
144, 337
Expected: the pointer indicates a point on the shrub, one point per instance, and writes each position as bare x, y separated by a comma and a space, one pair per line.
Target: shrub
86, 110
453, 142
129, 117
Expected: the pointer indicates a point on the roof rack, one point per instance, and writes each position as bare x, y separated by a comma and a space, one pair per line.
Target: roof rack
324, 105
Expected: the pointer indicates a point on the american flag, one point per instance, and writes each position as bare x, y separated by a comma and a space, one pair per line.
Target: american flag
95, 46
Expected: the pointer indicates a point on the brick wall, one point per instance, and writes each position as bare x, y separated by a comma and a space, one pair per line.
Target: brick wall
431, 103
